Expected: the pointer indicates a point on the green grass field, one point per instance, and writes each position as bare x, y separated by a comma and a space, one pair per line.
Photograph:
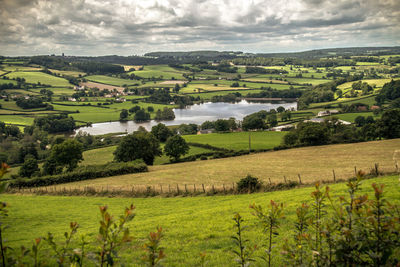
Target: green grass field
43, 78
17, 119
351, 116
191, 225
377, 82
56, 90
105, 155
5, 81
68, 72
240, 140
110, 80
313, 163
160, 71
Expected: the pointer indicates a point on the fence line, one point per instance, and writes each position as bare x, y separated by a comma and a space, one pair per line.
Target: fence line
189, 189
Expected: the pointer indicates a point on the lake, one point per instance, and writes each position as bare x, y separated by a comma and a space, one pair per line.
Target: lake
196, 114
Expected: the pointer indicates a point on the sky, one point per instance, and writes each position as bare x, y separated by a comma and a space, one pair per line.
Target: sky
135, 27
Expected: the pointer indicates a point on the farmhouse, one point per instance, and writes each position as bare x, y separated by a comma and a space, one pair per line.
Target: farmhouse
205, 131
281, 128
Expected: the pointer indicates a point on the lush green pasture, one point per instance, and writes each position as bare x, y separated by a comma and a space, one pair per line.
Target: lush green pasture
307, 80
68, 72
240, 140
43, 78
17, 119
352, 116
110, 80
377, 82
369, 100
20, 68
56, 90
3, 81
105, 154
313, 163
20, 92
160, 71
191, 225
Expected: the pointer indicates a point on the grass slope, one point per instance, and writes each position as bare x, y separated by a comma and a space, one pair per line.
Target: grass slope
313, 163
191, 225
43, 78
240, 140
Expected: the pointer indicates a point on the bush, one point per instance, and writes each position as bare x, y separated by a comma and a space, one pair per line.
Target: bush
83, 173
249, 184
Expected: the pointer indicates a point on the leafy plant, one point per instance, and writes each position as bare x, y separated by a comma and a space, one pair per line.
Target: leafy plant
270, 221
113, 235
154, 253
244, 252
63, 252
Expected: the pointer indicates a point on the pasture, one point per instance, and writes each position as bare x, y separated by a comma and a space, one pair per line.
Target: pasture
239, 140
105, 155
102, 86
190, 225
110, 80
160, 72
40, 77
313, 163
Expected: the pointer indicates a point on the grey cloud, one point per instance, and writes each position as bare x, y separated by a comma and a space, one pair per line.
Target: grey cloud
122, 27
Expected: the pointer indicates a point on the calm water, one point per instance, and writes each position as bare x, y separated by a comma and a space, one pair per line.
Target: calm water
196, 114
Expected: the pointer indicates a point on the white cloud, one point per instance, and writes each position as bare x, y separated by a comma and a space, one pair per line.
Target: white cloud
126, 27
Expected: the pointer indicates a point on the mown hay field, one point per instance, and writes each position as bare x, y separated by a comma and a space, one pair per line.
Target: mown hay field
312, 163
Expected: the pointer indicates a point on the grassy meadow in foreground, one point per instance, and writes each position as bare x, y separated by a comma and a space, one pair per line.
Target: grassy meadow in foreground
313, 163
191, 225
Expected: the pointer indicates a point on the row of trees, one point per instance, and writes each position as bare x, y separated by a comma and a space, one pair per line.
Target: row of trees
332, 131
146, 145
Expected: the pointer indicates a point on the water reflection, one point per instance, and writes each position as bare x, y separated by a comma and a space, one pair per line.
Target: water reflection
197, 114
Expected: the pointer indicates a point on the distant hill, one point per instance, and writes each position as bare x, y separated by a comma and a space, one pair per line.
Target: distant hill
318, 53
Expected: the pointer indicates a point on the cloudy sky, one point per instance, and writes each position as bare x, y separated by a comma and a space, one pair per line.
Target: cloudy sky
134, 27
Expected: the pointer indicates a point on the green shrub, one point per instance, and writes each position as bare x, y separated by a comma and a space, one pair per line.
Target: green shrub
249, 184
84, 173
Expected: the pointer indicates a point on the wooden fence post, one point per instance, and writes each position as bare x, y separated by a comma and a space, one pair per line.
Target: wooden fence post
299, 179
355, 170
223, 185
204, 190
161, 188
334, 176
177, 188
186, 188
169, 188
284, 177
270, 183
377, 169
194, 188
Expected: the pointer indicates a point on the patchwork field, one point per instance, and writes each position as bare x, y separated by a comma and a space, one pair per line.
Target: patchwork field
43, 78
110, 80
105, 155
102, 86
313, 163
191, 225
160, 71
68, 73
377, 82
